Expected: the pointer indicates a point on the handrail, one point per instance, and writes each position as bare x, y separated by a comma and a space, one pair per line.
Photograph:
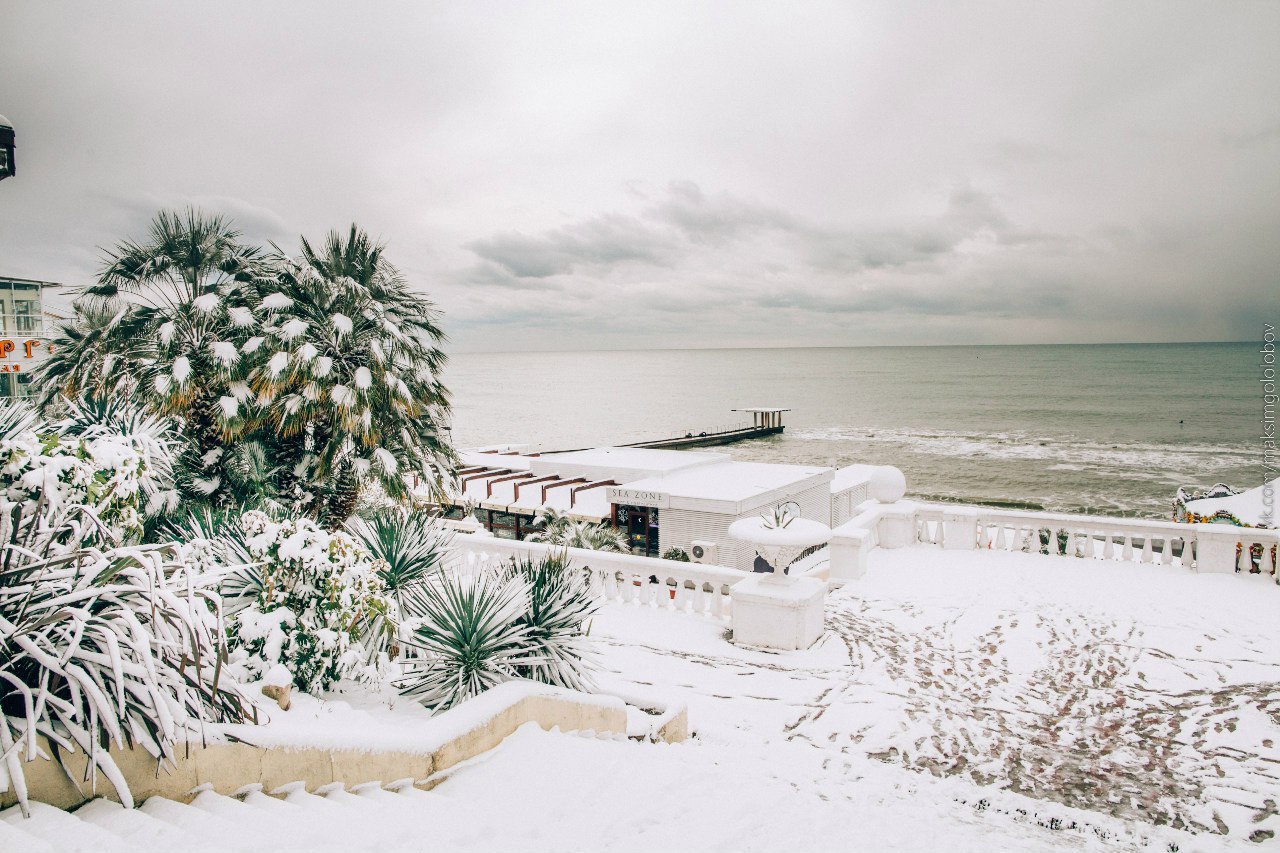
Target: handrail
699, 588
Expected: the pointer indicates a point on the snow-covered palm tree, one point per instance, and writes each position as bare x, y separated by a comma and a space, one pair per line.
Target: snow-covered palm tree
292, 380
163, 328
349, 369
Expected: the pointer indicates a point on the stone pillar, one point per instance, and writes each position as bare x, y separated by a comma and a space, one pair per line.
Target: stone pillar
1216, 548
848, 554
778, 613
897, 526
960, 529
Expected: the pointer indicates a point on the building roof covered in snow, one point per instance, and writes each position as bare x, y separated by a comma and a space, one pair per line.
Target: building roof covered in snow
1250, 508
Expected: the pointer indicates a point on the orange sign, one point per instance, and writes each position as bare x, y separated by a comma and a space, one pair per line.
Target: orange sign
28, 347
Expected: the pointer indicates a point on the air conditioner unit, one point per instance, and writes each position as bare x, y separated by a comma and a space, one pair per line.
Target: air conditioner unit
701, 551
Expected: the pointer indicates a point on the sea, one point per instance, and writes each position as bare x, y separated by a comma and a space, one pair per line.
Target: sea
1108, 429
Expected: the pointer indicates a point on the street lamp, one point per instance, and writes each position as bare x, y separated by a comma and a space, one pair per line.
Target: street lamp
7, 165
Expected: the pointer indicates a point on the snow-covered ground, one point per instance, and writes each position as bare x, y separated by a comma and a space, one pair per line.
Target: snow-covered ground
1072, 689
960, 701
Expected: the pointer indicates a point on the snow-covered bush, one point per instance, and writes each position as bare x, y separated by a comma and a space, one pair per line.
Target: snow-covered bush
118, 645
519, 619
48, 470
317, 592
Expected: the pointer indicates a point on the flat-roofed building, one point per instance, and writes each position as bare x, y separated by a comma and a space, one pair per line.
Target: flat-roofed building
24, 332
661, 499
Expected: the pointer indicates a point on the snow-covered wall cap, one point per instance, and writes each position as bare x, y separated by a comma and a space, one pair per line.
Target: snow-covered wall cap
4, 122
888, 484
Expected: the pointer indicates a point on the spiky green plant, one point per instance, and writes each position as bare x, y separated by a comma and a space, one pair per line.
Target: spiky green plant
240, 577
102, 646
412, 547
560, 604
470, 639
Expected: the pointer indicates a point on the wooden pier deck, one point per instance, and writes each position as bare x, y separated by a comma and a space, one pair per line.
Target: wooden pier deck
764, 422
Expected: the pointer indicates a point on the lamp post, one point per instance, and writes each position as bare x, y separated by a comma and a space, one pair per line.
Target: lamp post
8, 167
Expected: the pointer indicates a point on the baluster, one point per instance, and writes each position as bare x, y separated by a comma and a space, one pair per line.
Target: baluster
1126, 553
1146, 548
1166, 551
1268, 562
716, 602
1108, 547
1000, 540
1088, 543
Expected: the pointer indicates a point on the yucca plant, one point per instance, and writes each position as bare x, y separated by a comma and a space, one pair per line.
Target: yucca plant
560, 603
102, 646
240, 578
470, 639
412, 547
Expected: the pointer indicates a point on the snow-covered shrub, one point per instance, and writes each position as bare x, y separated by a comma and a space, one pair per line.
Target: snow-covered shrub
470, 638
317, 592
560, 603
524, 618
101, 646
49, 470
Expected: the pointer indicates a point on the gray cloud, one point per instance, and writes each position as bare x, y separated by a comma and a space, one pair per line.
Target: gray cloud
598, 241
666, 175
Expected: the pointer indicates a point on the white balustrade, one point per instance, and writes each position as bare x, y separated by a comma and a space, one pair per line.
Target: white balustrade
665, 584
1117, 539
1202, 547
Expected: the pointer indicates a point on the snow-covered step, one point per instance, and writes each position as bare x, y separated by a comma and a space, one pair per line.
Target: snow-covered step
65, 832
140, 828
15, 839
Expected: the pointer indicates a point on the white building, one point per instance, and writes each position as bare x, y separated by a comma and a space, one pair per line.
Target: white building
661, 499
24, 333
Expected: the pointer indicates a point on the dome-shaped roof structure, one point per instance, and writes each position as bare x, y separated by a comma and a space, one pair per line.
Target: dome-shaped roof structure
4, 122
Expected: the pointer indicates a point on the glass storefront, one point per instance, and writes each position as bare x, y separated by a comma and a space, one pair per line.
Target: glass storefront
640, 523
21, 319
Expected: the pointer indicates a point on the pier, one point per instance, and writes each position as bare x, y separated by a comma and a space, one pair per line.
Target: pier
765, 421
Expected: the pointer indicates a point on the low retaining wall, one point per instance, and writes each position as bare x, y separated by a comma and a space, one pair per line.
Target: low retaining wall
229, 766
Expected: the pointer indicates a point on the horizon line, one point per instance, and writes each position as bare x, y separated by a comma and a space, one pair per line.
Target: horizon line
852, 346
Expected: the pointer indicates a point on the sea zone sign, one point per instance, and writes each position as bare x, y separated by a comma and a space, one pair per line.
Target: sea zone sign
639, 497
7, 346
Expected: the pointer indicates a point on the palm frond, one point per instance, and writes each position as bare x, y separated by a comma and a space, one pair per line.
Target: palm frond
470, 639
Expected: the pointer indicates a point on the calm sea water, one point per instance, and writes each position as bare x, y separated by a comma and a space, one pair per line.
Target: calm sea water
1109, 428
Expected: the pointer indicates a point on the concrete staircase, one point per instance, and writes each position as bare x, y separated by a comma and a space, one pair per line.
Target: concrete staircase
332, 820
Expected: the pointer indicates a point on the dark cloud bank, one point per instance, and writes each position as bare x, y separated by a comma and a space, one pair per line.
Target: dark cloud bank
601, 175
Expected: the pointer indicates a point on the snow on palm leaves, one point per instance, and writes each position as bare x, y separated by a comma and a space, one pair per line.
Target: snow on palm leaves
349, 360
327, 363
100, 643
518, 619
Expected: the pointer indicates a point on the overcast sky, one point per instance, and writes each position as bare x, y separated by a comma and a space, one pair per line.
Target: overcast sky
607, 175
